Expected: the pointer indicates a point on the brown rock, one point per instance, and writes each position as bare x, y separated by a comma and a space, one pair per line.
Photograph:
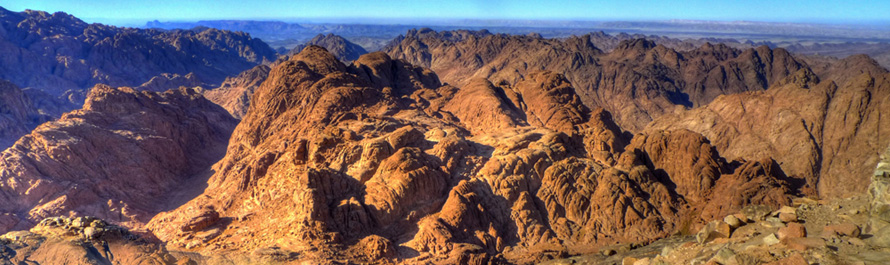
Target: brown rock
742, 217
788, 217
377, 247
734, 125
804, 243
732, 221
756, 182
186, 261
845, 229
481, 107
206, 216
793, 230
771, 239
713, 230
628, 261
643, 261
549, 101
785, 209
694, 171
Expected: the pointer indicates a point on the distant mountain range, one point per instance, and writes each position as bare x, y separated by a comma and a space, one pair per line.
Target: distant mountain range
811, 39
58, 52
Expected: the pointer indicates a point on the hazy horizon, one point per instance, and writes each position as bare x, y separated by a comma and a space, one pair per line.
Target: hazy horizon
137, 13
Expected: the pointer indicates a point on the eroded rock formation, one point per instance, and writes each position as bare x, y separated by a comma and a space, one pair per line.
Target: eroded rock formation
80, 240
380, 161
123, 157
824, 135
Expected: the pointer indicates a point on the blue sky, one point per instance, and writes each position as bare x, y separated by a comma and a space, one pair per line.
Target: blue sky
829, 11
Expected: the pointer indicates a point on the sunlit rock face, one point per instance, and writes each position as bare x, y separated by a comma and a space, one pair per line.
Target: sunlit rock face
330, 157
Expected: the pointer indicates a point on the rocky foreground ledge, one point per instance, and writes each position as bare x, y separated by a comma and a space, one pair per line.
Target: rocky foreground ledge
809, 232
81, 240
854, 230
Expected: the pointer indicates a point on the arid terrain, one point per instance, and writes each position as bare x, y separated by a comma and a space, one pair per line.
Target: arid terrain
206, 146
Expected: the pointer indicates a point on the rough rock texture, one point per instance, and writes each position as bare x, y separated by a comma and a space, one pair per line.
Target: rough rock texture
340, 47
166, 81
636, 81
58, 52
380, 162
122, 157
825, 136
18, 115
879, 201
825, 233
234, 94
81, 240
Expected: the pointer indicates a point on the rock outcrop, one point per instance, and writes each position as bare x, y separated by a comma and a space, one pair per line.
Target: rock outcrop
124, 157
81, 240
340, 47
636, 81
804, 232
378, 161
823, 135
58, 52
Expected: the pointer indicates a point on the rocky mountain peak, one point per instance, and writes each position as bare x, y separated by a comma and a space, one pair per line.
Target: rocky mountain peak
336, 45
639, 45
